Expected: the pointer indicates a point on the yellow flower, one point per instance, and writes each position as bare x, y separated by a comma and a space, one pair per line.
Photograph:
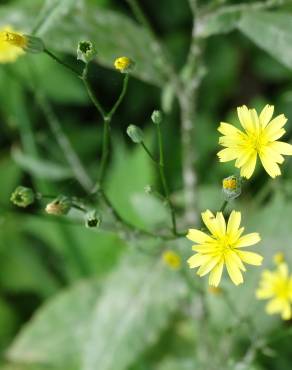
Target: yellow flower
11, 45
259, 138
277, 286
172, 259
230, 183
124, 64
278, 258
222, 247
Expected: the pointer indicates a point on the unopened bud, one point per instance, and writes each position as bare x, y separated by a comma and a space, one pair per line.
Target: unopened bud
231, 187
124, 64
171, 259
156, 117
60, 206
278, 258
22, 196
86, 51
92, 219
135, 134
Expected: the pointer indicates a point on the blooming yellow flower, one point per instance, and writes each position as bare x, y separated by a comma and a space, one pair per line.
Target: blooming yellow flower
277, 286
171, 259
11, 45
259, 138
124, 64
222, 247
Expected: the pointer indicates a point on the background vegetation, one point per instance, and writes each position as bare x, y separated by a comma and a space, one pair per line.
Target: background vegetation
73, 298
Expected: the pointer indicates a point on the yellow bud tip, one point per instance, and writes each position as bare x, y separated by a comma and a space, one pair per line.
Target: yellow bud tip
229, 183
278, 258
214, 290
13, 38
171, 259
123, 64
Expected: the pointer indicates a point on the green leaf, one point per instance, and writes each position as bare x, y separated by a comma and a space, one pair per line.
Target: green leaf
57, 332
271, 32
40, 167
136, 304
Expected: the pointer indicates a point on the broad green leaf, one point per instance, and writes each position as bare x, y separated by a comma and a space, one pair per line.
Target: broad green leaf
135, 305
56, 334
41, 168
271, 32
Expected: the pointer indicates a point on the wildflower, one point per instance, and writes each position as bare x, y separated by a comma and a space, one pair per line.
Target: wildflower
277, 286
222, 247
22, 196
171, 259
59, 206
124, 64
11, 45
259, 138
231, 187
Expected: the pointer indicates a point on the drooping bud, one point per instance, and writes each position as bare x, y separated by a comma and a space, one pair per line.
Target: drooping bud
86, 51
171, 259
124, 64
231, 187
92, 219
135, 134
22, 196
156, 117
59, 206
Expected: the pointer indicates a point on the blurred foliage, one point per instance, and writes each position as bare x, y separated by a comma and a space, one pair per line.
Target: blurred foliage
127, 310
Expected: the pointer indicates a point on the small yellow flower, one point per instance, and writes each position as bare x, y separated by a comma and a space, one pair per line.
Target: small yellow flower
171, 259
278, 258
11, 45
277, 286
259, 138
230, 183
124, 64
222, 247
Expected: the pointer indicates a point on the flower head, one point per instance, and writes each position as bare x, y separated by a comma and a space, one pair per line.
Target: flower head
22, 196
277, 286
231, 187
259, 138
11, 45
222, 247
171, 259
124, 64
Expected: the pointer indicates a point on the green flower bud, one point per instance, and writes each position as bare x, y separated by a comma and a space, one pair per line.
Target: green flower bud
156, 117
231, 187
135, 134
92, 219
59, 206
22, 196
86, 51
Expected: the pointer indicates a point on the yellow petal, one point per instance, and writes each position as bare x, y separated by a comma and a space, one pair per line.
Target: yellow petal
244, 157
250, 258
247, 240
208, 266
204, 248
233, 224
210, 221
227, 129
248, 168
269, 164
216, 273
264, 293
198, 236
245, 118
228, 154
274, 127
274, 306
221, 223
273, 154
198, 259
255, 120
281, 147
266, 115
286, 311
233, 271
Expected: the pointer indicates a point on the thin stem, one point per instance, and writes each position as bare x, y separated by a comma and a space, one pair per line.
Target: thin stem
91, 94
150, 155
58, 60
224, 205
120, 98
105, 152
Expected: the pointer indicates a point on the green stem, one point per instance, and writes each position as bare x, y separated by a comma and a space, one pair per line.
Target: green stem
105, 152
224, 205
120, 98
149, 153
58, 60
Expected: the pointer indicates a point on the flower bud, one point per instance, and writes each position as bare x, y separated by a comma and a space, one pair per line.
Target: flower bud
231, 187
124, 64
92, 219
59, 206
171, 259
135, 134
156, 117
278, 258
86, 51
22, 196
